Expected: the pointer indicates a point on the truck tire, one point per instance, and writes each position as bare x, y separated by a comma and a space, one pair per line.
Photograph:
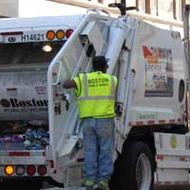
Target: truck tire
134, 168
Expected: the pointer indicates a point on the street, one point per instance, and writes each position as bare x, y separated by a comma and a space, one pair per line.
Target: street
179, 187
46, 186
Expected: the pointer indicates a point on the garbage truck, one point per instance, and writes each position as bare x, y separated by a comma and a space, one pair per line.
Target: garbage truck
40, 134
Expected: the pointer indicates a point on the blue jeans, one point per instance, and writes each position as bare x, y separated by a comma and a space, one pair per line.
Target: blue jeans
98, 138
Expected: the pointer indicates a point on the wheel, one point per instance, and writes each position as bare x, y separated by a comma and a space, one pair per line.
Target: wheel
134, 168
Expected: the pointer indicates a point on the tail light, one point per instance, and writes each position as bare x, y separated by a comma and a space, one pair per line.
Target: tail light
42, 170
31, 170
69, 32
50, 35
60, 34
9, 170
20, 170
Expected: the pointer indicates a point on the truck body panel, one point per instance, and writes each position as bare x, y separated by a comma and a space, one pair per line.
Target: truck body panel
159, 65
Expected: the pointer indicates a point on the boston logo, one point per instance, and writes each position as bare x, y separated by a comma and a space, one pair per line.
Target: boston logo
15, 103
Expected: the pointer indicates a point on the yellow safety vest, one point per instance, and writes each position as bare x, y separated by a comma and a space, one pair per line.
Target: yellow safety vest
96, 94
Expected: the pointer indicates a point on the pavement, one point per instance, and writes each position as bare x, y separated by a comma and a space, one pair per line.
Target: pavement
171, 187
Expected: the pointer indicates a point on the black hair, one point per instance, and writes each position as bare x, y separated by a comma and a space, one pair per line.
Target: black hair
99, 63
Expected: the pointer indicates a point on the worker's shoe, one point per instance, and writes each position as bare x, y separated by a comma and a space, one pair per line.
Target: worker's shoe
103, 185
89, 184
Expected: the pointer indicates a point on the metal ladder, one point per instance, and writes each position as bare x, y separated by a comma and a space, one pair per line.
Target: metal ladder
73, 58
125, 89
122, 121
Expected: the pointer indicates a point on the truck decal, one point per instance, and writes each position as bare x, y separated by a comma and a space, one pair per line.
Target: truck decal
27, 106
32, 37
13, 102
158, 72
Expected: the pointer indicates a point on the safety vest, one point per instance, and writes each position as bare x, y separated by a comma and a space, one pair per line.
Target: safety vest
96, 94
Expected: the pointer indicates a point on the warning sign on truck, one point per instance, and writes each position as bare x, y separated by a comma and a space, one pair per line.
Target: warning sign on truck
158, 72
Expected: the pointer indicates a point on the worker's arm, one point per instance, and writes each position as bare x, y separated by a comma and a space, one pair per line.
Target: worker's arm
69, 84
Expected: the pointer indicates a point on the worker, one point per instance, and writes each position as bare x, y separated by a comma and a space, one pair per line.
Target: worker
95, 93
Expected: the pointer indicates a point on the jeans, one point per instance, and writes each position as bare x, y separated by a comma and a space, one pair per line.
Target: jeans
98, 138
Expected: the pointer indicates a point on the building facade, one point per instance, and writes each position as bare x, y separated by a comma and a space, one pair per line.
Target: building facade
170, 9
9, 8
32, 8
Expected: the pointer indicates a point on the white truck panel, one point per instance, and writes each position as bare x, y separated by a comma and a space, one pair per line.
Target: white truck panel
171, 176
36, 23
172, 156
159, 67
23, 95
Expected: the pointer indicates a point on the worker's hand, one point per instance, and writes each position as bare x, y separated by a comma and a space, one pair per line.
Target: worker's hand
69, 84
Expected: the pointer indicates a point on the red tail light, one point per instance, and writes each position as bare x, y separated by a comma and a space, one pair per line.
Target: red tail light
69, 32
42, 170
31, 170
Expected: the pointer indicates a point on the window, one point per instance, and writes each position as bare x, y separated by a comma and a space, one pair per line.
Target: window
162, 8
27, 53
